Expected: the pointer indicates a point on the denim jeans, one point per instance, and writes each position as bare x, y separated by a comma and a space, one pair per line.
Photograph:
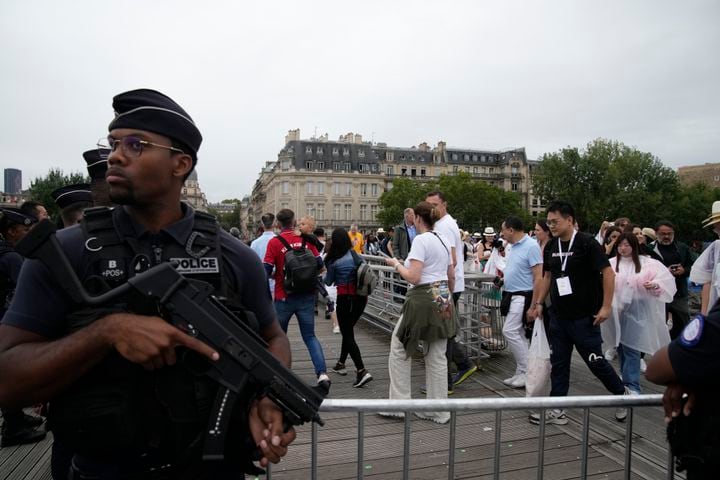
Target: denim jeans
630, 367
303, 306
585, 337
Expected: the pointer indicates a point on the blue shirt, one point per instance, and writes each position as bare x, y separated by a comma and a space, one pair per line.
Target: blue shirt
259, 245
412, 233
342, 271
520, 259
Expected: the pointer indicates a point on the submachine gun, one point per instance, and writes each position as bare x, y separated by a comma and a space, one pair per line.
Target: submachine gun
244, 358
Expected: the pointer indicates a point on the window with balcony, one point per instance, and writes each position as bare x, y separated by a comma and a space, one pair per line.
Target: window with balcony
321, 166
348, 166
336, 211
389, 169
374, 190
321, 211
336, 188
336, 166
363, 189
309, 188
373, 212
321, 188
363, 212
309, 165
348, 189
514, 186
310, 209
348, 211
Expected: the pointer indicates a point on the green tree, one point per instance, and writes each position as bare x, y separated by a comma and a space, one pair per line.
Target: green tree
692, 205
227, 220
40, 188
608, 180
473, 203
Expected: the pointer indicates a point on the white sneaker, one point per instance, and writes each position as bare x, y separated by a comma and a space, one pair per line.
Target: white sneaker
552, 417
610, 354
336, 329
509, 381
643, 365
519, 381
621, 413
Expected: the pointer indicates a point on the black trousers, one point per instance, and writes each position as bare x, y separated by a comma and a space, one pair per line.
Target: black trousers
585, 337
454, 352
349, 310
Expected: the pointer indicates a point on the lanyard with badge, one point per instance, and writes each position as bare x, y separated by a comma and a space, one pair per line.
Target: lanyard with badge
563, 283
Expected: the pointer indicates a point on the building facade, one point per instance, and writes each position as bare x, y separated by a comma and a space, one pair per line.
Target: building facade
13, 181
708, 174
340, 182
192, 194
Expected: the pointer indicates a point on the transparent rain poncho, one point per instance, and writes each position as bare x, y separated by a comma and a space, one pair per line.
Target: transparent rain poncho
638, 314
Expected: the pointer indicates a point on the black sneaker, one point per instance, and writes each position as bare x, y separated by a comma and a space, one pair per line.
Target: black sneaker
339, 368
363, 377
21, 437
33, 421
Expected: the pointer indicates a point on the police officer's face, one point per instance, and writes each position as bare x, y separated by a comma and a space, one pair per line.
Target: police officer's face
143, 179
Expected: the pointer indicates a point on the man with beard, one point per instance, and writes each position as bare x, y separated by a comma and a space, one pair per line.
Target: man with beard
118, 399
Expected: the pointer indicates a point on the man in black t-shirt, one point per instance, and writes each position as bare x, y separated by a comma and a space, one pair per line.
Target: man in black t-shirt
690, 365
581, 284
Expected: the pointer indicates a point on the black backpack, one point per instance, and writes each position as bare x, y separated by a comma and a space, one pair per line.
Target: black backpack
301, 268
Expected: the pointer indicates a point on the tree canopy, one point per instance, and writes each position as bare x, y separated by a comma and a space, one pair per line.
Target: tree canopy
473, 203
40, 188
608, 179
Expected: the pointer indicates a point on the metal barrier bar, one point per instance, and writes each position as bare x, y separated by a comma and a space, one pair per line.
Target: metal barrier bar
406, 448
541, 445
671, 465
498, 405
496, 459
361, 445
628, 443
313, 451
493, 404
585, 442
451, 447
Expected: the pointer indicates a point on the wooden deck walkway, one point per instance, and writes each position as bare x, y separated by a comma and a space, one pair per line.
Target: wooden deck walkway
383, 439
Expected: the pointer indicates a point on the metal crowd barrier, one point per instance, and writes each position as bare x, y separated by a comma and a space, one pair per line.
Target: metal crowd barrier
498, 405
478, 308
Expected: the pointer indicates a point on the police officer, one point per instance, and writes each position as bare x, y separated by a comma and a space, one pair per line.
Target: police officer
18, 427
72, 200
116, 394
96, 160
690, 365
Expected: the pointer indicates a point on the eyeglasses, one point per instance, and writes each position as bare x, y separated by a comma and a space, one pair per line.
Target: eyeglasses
131, 146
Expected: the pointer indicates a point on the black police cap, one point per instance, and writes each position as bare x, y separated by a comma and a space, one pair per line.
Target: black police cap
96, 160
155, 112
14, 215
69, 194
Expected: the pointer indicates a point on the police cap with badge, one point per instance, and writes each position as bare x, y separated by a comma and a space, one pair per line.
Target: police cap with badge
71, 194
14, 216
152, 111
96, 160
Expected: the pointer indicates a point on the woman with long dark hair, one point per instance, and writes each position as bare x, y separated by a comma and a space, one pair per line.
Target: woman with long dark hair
428, 314
342, 265
637, 324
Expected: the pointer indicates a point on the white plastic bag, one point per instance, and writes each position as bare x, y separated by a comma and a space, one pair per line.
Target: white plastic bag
537, 383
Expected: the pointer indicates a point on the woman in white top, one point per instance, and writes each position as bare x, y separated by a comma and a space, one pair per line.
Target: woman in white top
427, 314
637, 324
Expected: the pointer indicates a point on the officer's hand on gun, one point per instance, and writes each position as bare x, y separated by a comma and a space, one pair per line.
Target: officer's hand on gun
266, 427
150, 341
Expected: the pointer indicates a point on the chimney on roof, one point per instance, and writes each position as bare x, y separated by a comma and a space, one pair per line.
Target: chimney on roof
292, 136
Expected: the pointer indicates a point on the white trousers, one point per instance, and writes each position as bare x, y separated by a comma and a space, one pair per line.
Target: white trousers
400, 366
514, 333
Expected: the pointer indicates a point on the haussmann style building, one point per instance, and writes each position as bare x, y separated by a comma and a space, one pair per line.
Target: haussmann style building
340, 182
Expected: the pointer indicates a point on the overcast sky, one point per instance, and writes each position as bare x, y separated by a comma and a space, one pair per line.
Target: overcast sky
481, 74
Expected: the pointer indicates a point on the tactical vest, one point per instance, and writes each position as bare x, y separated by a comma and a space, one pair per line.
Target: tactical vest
7, 286
119, 410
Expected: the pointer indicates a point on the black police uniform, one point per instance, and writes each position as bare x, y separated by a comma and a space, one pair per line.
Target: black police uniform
10, 263
695, 359
120, 420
